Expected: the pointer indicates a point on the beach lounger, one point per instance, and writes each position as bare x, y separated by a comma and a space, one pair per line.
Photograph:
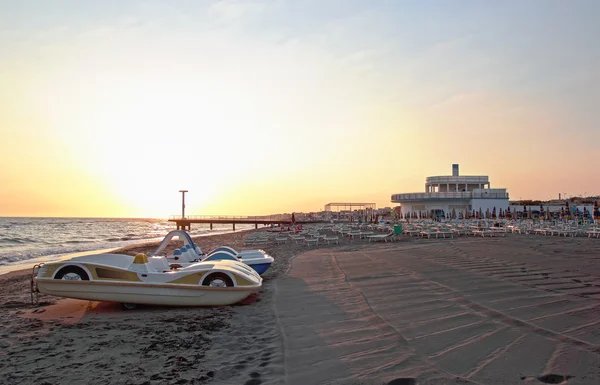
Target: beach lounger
593, 233
567, 233
329, 240
353, 234
444, 234
261, 240
380, 237
298, 240
311, 241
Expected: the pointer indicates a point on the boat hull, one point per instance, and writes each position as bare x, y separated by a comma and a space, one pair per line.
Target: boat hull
260, 268
144, 293
256, 259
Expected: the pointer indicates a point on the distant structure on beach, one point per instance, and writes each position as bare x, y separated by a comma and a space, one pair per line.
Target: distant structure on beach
453, 196
351, 211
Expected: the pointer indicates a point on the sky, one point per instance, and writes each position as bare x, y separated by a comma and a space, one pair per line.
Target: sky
109, 108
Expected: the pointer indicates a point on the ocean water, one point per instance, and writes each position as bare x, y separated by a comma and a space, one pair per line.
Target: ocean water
27, 240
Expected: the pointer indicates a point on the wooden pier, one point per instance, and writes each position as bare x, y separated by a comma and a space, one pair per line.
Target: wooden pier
186, 223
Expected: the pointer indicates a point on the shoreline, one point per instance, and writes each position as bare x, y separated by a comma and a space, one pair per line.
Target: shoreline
180, 354
28, 264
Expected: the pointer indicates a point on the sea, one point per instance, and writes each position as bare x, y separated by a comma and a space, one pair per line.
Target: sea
27, 241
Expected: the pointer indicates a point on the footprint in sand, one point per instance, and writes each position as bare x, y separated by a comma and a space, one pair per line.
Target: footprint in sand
550, 378
402, 381
553, 378
254, 380
266, 359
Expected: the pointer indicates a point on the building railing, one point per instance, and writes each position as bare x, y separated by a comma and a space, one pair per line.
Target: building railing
450, 195
462, 179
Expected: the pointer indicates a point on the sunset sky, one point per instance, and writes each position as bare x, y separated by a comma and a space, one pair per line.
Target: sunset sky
108, 108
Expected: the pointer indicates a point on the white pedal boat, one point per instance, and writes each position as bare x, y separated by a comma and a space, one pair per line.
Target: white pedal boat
148, 280
191, 253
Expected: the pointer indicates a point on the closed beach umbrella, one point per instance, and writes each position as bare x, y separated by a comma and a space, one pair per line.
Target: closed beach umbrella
596, 211
494, 213
293, 218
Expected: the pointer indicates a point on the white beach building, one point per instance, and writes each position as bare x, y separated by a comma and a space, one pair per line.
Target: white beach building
460, 193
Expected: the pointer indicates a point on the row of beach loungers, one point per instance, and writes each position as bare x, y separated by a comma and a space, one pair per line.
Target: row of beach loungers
332, 234
567, 230
501, 232
323, 234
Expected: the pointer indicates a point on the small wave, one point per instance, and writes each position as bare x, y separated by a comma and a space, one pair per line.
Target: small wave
19, 246
15, 240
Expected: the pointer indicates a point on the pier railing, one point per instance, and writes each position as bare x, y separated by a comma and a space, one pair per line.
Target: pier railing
234, 217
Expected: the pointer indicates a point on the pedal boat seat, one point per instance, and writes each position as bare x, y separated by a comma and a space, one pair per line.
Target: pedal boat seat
142, 264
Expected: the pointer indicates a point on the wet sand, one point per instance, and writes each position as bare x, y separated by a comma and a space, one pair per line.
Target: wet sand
515, 310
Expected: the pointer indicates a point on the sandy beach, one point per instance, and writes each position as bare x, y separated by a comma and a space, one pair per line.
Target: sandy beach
514, 310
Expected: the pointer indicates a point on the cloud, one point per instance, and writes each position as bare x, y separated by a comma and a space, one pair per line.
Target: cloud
230, 12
